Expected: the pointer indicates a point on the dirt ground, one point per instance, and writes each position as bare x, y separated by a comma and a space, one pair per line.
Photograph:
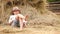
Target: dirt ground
42, 29
30, 30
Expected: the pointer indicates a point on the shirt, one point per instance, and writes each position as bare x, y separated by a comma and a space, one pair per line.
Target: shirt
13, 17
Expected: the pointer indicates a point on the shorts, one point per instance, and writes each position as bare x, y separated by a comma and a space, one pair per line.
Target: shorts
15, 23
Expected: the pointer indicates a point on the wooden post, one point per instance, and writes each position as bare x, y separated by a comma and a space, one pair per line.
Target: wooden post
2, 7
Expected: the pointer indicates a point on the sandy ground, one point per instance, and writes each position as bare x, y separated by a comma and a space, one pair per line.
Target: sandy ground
30, 30
5, 29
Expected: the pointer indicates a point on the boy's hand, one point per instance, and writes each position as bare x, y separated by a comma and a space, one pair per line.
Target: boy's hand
26, 17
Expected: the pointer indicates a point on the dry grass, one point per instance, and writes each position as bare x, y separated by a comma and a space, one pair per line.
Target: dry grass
36, 13
41, 30
41, 21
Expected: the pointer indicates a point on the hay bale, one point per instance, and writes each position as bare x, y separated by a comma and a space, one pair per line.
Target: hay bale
37, 14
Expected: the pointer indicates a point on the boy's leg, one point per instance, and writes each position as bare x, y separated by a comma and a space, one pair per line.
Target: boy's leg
21, 23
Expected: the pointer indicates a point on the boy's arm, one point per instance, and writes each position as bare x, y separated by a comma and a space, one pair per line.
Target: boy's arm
10, 21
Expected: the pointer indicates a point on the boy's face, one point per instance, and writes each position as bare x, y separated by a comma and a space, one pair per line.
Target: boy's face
16, 12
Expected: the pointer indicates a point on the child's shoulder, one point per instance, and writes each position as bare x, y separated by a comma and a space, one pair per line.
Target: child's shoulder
11, 15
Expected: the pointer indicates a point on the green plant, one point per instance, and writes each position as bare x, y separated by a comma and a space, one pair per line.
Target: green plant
52, 0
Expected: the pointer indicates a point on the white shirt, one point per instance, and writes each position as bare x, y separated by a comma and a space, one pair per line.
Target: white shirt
13, 17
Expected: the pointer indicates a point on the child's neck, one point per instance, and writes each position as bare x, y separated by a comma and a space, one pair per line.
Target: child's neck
17, 14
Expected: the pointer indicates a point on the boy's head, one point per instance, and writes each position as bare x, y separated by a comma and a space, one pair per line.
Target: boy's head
15, 10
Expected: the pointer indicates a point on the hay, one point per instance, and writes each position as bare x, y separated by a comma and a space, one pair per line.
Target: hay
37, 12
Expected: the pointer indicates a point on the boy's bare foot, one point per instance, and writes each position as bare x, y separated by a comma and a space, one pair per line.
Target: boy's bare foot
21, 29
